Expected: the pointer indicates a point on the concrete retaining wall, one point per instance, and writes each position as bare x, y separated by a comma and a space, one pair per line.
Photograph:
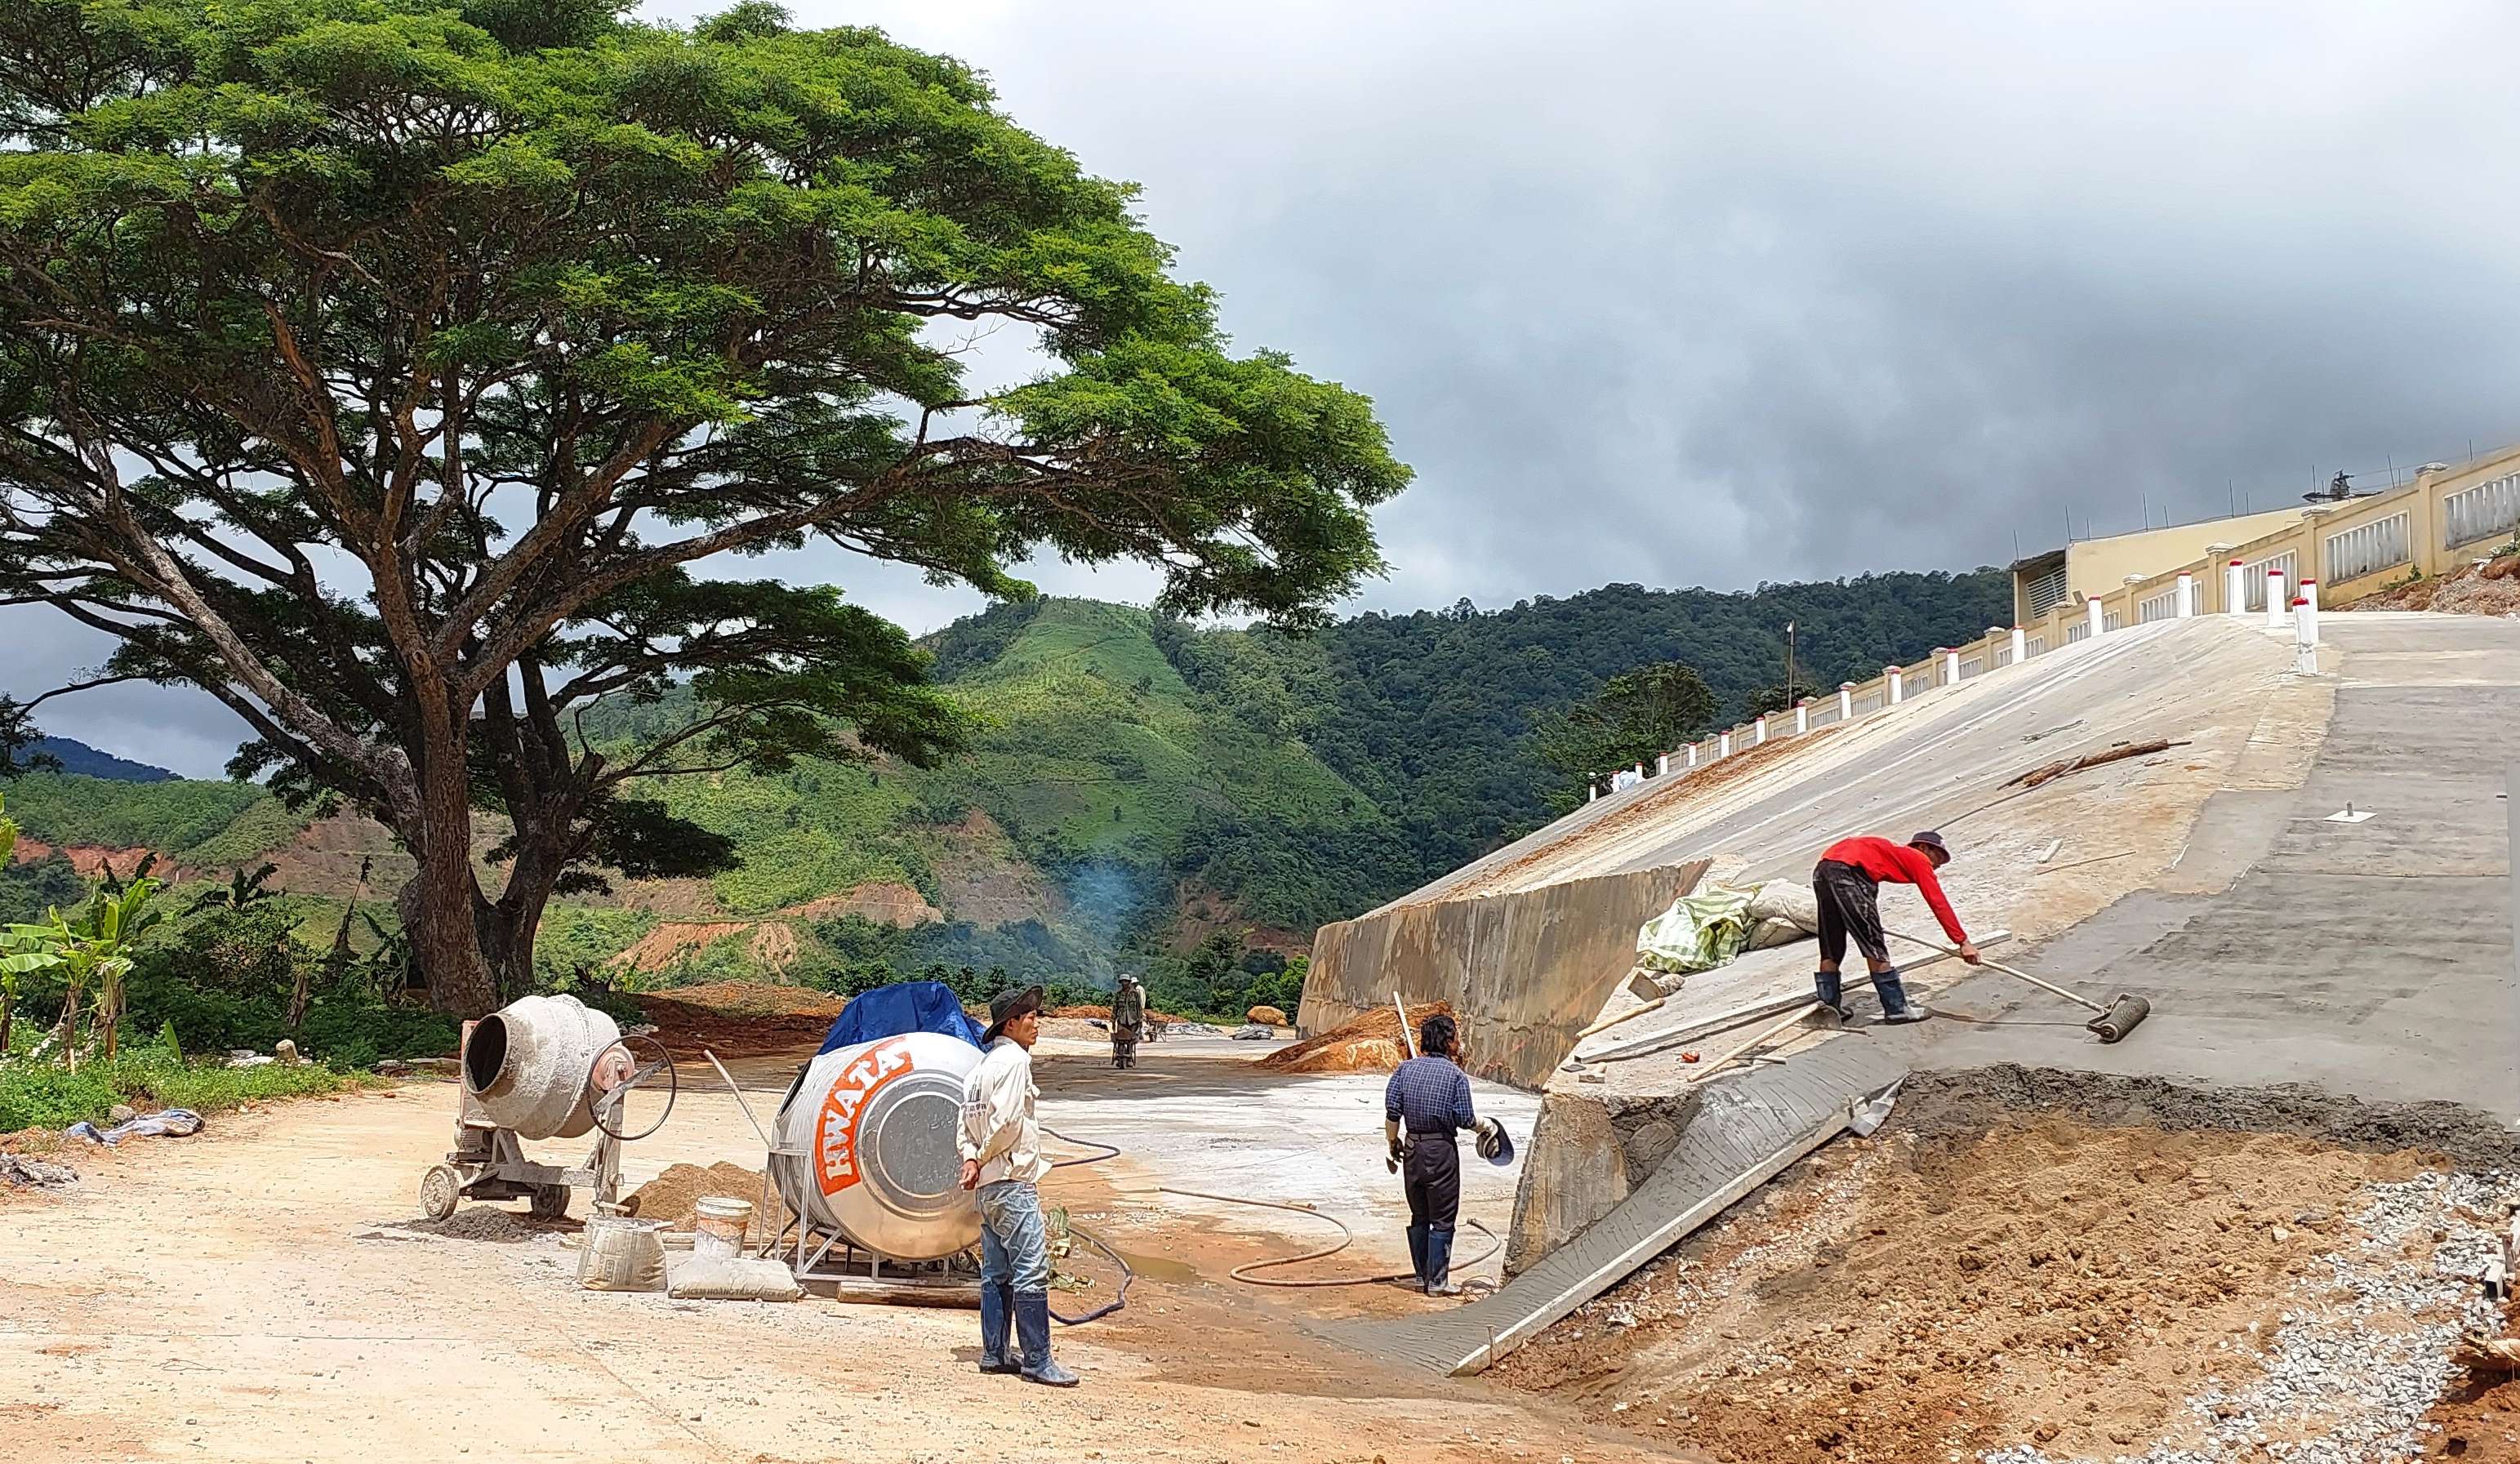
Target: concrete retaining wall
1525, 971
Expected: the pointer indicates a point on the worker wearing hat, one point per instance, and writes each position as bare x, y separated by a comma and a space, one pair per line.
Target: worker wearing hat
1847, 882
1002, 1161
1424, 1106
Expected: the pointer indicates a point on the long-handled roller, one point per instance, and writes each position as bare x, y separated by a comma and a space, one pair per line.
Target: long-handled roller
2115, 1020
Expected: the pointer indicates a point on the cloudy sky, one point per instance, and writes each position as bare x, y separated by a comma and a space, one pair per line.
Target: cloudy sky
1712, 293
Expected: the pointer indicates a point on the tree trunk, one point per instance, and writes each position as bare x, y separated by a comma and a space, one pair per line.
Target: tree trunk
446, 945
8, 1012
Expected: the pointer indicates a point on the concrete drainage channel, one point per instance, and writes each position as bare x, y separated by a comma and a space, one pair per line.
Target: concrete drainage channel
2025, 1265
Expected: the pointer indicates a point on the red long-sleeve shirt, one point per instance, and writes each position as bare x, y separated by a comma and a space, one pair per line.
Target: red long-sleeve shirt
1900, 864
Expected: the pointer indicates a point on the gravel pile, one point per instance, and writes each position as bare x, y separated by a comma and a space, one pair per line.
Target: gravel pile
2365, 1351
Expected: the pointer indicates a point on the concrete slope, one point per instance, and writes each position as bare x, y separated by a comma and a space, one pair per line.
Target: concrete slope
2371, 958
1941, 751
1750, 1127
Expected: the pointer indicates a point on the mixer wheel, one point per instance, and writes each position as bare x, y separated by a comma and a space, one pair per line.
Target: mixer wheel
439, 1190
550, 1201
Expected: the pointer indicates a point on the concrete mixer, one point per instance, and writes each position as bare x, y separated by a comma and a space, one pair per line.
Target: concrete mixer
867, 1157
543, 1067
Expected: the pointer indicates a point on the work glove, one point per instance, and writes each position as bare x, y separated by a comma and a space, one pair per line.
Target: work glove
1399, 1152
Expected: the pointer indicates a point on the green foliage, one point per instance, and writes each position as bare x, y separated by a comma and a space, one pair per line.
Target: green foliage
343, 278
1636, 717
43, 1095
243, 890
577, 940
66, 807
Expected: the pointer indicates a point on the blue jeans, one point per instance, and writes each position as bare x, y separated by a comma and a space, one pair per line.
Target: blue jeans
1015, 1243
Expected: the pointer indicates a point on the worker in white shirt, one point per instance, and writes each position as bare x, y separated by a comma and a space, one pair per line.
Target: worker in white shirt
1001, 1144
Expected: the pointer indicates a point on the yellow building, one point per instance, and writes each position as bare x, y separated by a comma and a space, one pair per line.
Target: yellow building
2102, 566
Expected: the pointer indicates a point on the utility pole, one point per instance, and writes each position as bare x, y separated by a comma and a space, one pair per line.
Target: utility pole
1789, 663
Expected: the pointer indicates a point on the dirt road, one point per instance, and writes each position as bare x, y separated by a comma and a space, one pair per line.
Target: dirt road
260, 1293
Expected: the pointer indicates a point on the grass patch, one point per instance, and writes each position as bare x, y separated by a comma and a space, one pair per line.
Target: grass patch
43, 1094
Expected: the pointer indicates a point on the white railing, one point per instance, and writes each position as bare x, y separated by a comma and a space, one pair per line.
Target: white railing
2162, 606
2481, 512
2368, 548
2077, 630
2253, 577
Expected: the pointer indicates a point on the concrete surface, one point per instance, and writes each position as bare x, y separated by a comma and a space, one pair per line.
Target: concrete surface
1524, 970
2373, 959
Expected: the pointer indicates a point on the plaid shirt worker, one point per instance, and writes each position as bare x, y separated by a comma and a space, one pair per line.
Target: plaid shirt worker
1429, 1095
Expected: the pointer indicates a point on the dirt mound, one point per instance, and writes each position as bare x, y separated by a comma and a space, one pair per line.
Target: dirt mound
1369, 1044
2490, 589
675, 1195
2088, 1292
1101, 1014
884, 902
740, 1018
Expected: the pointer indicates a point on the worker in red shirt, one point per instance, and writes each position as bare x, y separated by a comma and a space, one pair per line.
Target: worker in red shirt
1848, 884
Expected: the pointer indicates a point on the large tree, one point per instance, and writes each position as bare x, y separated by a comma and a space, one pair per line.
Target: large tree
404, 373
1634, 718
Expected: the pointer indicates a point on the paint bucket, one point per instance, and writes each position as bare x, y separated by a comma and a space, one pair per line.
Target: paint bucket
722, 1224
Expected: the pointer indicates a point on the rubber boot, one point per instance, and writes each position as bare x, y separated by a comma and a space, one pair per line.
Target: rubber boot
1417, 1254
1439, 1264
1894, 997
1830, 988
997, 1318
1032, 1327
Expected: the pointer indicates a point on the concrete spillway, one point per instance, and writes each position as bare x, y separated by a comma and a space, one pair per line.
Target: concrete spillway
2370, 956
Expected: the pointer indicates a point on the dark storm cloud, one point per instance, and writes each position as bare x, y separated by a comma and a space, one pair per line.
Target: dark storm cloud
1718, 294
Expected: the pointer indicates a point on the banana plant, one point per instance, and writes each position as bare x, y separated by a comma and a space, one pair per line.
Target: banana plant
90, 953
243, 890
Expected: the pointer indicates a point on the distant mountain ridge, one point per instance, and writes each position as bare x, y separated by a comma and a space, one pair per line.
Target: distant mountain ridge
75, 756
1139, 786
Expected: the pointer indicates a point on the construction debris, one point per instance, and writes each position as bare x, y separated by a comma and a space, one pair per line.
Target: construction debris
1370, 1043
2049, 772
35, 1174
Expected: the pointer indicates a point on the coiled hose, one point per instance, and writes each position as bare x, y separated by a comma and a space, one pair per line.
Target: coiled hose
1120, 1298
1346, 1238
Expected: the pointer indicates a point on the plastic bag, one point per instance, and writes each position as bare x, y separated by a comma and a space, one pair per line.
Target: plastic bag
620, 1254
1702, 930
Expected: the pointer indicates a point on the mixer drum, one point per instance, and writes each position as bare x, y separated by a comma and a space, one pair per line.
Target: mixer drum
869, 1146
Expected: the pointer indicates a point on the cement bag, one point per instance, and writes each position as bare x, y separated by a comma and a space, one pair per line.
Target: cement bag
1782, 910
732, 1278
1702, 930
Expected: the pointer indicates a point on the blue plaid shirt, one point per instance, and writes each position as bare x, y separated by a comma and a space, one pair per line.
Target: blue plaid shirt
1429, 1095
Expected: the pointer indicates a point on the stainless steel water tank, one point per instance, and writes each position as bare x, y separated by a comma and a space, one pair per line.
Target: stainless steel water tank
869, 1145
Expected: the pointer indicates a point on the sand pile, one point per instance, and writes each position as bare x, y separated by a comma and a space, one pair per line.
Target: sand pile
675, 1195
1101, 1014
1369, 1044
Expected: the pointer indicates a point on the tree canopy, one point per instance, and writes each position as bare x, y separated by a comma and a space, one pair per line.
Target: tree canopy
1634, 718
404, 373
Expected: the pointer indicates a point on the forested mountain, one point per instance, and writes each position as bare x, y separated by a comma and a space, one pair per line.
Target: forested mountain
1173, 797
67, 755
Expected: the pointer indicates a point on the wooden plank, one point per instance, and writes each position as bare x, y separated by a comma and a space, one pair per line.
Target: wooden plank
1655, 1041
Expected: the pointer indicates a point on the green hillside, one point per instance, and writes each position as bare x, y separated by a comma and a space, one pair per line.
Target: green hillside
1173, 798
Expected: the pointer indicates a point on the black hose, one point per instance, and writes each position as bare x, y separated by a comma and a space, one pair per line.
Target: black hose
1127, 1274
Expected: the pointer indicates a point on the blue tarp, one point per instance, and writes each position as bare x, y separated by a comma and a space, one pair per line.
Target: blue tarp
904, 1006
